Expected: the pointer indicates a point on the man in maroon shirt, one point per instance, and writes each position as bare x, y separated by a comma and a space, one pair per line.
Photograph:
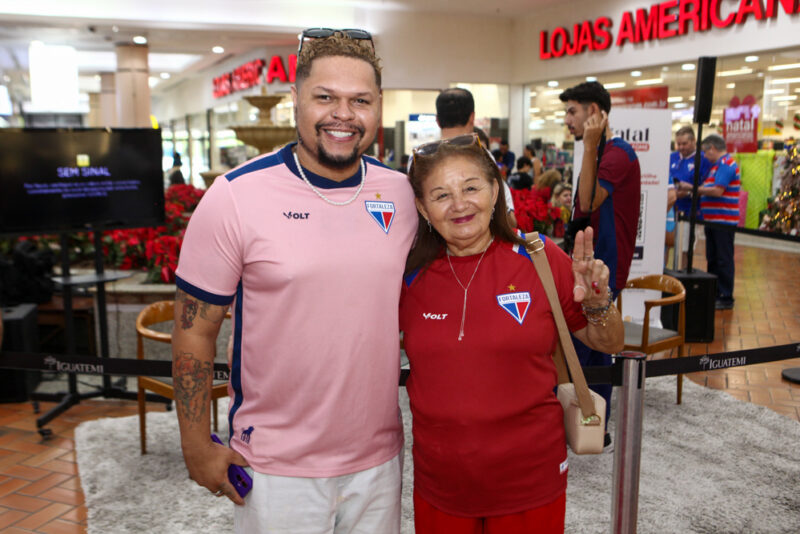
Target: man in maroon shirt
614, 209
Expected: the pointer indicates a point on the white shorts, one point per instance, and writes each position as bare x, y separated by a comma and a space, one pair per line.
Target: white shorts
367, 502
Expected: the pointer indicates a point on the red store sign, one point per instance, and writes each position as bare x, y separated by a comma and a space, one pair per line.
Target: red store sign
252, 73
661, 21
644, 97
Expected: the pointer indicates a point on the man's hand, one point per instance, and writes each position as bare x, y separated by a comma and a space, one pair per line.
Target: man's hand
208, 466
593, 129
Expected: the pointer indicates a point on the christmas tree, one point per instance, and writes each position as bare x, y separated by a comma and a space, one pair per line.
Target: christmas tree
783, 210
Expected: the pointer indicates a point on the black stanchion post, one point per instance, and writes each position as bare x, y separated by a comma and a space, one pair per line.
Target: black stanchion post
628, 444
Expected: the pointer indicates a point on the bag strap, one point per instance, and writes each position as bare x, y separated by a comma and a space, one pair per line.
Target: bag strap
536, 250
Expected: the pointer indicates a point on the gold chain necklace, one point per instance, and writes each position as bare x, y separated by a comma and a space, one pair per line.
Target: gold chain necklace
465, 288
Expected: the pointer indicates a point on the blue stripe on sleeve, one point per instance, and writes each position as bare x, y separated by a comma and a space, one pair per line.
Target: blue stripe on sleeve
200, 294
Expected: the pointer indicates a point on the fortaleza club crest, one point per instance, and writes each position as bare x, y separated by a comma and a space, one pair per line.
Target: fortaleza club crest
516, 304
382, 212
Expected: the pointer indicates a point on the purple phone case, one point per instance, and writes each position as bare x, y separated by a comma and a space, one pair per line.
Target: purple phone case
237, 476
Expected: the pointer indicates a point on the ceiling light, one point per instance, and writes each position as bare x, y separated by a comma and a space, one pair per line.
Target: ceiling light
760, 74
664, 68
675, 99
688, 66
774, 91
552, 83
550, 117
636, 73
140, 39
730, 86
551, 92
560, 113
784, 67
680, 105
783, 103
778, 81
614, 85
534, 110
750, 59
735, 72
165, 75
115, 28
591, 78
218, 50
651, 81
784, 98
152, 81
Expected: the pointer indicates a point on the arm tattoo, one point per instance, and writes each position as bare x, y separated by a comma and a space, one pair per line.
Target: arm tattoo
192, 382
209, 312
188, 309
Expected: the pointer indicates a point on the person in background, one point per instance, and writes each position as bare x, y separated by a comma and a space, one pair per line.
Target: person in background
681, 170
522, 179
719, 203
455, 115
174, 174
671, 225
561, 199
314, 405
489, 445
614, 210
546, 182
507, 158
530, 152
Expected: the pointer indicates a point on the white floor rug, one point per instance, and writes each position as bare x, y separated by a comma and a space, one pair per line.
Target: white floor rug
711, 465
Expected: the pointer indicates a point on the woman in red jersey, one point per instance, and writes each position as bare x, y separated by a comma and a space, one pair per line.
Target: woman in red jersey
489, 446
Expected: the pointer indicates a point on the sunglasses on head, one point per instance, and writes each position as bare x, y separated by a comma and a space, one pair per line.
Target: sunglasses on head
322, 33
429, 149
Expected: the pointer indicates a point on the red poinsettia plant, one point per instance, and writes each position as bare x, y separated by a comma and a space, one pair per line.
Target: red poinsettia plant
155, 250
533, 211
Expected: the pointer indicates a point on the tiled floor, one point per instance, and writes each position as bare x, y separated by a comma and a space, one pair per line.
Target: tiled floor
40, 489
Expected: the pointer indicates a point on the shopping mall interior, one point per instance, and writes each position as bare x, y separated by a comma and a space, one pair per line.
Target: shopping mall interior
213, 81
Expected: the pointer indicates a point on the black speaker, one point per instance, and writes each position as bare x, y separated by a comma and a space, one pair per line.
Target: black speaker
701, 297
20, 334
704, 89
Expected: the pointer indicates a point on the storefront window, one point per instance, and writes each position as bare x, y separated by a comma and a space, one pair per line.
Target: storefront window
771, 79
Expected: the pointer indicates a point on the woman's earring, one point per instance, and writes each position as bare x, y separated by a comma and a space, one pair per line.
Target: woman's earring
492, 217
429, 225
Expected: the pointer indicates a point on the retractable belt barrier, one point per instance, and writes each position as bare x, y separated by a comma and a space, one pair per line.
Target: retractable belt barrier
743, 230
611, 374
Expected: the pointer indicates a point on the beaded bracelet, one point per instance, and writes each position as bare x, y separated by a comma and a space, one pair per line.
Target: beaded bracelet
598, 316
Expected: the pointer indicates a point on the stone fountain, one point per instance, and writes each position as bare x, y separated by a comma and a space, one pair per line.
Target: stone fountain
264, 135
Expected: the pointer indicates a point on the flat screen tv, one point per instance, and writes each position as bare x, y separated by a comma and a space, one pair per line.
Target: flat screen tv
63, 180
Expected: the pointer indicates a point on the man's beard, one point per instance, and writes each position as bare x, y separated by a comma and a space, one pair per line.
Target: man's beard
325, 158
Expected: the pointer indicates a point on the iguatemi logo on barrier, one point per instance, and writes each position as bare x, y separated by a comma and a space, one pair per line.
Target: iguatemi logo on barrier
516, 304
71, 367
382, 212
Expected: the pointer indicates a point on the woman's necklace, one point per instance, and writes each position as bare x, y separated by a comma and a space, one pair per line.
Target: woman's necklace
465, 288
321, 195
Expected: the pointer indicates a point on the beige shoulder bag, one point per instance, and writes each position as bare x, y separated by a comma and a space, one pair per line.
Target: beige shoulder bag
584, 410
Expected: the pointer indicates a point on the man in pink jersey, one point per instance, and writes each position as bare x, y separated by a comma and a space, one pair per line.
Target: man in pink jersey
307, 246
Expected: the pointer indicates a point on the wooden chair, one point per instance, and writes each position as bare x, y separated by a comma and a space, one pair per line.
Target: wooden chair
650, 340
159, 312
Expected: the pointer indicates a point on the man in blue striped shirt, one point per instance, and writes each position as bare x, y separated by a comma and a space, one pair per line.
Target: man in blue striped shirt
719, 203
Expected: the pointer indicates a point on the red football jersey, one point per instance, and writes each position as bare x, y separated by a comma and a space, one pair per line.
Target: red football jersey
488, 429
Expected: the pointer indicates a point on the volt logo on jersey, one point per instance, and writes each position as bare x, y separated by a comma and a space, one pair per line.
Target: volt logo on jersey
382, 212
516, 304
